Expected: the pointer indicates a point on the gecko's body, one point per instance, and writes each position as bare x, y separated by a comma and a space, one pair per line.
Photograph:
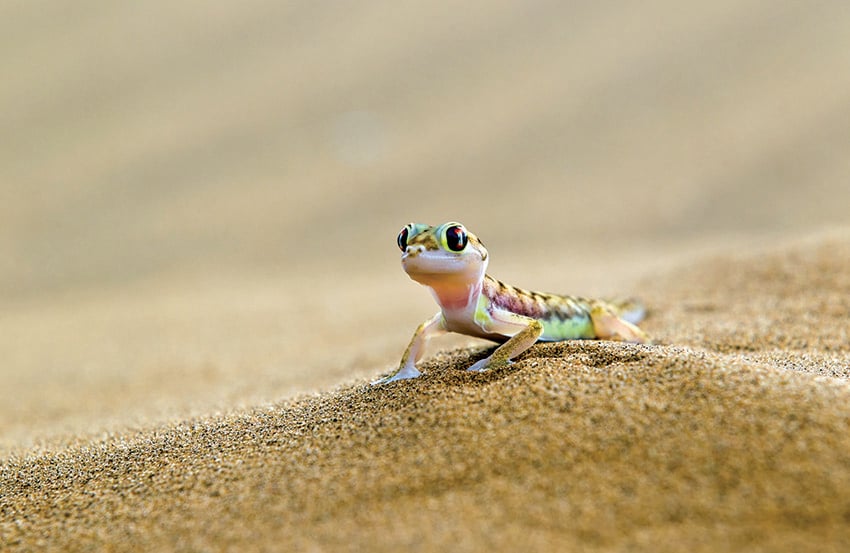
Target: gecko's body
452, 263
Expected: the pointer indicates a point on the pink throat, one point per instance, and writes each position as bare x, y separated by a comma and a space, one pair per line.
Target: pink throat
456, 297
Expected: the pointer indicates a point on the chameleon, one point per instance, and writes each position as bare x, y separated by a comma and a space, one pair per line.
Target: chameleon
452, 263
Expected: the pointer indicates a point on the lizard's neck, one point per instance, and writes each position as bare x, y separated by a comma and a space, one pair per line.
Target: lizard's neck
455, 290
456, 295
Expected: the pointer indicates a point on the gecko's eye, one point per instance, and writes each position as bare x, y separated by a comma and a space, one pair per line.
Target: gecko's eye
402, 239
456, 238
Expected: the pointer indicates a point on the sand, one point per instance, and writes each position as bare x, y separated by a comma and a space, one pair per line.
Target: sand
199, 277
731, 433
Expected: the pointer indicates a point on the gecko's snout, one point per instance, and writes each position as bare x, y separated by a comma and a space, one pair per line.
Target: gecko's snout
413, 250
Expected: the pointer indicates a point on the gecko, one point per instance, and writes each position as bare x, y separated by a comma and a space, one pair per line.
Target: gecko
452, 262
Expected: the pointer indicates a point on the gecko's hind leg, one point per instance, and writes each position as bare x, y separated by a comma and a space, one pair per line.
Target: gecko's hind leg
608, 326
510, 349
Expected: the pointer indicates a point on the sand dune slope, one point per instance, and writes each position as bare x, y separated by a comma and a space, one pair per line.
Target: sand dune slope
726, 434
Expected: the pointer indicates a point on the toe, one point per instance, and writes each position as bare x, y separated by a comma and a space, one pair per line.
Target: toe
479, 366
401, 374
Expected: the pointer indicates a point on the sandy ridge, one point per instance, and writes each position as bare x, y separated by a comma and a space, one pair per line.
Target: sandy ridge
707, 439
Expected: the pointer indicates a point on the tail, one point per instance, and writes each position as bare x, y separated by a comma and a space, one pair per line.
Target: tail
630, 309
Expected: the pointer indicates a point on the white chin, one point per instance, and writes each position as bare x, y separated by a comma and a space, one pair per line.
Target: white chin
418, 271
433, 267
427, 269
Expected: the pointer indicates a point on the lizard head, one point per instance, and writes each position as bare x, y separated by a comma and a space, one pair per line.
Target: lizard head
445, 256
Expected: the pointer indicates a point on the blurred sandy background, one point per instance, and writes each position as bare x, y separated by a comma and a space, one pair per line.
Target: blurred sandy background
199, 202
198, 211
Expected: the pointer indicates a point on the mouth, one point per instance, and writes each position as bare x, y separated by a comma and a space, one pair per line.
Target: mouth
433, 265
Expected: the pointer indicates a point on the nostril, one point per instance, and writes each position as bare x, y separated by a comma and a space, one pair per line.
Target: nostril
414, 250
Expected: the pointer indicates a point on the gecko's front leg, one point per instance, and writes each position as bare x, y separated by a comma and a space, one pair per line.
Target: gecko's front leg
507, 323
413, 353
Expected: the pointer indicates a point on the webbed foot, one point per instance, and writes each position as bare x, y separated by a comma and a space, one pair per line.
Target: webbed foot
401, 374
488, 364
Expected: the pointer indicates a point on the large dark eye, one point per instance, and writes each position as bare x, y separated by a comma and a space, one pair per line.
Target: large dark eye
456, 238
402, 239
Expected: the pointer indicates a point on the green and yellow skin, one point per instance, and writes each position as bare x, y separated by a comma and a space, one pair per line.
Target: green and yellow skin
452, 263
